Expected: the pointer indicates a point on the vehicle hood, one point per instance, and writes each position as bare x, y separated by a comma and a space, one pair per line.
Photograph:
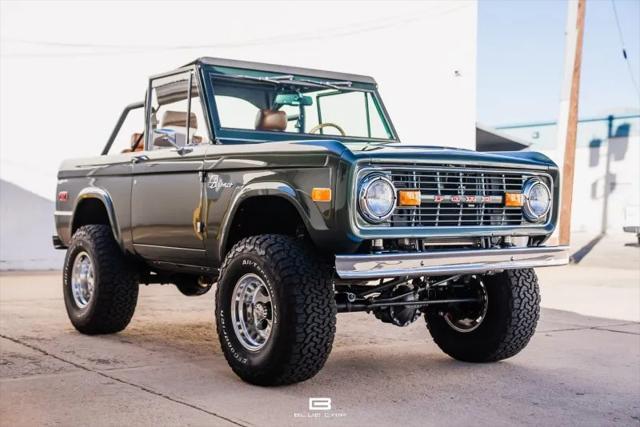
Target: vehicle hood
386, 153
373, 152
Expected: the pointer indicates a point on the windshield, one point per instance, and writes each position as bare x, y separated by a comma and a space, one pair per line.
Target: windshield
253, 101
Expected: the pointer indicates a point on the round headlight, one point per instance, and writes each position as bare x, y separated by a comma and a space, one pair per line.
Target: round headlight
377, 198
537, 200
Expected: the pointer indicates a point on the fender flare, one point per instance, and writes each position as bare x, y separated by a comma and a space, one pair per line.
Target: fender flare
107, 202
270, 188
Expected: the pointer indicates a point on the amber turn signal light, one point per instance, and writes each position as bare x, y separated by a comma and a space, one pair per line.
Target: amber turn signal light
321, 194
513, 199
409, 198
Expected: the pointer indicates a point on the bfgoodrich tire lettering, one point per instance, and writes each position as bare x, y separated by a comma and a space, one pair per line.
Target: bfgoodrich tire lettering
304, 311
115, 292
511, 318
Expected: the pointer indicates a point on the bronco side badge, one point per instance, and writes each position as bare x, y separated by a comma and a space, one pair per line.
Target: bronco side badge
214, 182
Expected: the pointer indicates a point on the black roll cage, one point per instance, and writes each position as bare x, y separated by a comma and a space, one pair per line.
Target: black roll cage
116, 128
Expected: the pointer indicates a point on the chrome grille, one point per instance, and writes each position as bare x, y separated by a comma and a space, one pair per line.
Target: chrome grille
455, 197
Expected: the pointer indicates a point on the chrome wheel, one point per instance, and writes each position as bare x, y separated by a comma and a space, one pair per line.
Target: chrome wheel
468, 317
252, 312
82, 280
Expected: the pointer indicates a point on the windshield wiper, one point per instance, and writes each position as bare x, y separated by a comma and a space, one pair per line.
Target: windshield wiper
275, 79
378, 145
288, 78
332, 84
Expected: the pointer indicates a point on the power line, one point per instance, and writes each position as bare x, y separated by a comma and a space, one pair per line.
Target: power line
624, 50
326, 34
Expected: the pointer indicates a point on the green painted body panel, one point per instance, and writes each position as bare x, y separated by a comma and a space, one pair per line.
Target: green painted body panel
156, 203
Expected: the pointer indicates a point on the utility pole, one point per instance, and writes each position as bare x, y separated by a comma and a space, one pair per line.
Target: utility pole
568, 120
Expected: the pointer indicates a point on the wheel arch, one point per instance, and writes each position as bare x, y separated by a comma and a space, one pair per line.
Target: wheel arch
271, 195
94, 206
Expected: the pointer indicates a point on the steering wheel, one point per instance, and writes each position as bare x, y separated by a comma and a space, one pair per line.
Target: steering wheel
325, 125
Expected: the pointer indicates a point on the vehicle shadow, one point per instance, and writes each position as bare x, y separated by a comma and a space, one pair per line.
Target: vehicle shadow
193, 337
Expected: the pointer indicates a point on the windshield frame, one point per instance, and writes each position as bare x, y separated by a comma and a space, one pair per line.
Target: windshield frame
237, 135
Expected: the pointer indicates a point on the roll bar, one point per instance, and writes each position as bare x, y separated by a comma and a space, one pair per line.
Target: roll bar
116, 129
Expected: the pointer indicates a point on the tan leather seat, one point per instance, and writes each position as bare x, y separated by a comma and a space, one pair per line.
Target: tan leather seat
136, 143
170, 119
178, 119
271, 120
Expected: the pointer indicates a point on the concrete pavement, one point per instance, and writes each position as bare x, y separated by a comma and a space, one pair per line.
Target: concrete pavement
167, 369
606, 282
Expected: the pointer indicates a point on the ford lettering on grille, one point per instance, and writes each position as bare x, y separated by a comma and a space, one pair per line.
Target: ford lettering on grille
454, 197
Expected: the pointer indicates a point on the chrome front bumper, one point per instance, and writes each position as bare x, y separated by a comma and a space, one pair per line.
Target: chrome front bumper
439, 263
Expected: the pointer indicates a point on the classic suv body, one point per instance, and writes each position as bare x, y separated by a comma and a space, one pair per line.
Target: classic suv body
298, 202
154, 206
175, 209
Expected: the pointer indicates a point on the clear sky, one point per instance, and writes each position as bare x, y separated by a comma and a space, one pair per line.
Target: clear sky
521, 54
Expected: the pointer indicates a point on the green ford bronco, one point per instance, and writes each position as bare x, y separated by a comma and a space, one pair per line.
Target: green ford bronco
289, 190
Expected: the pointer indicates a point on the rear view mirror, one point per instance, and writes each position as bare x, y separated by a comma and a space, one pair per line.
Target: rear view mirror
293, 99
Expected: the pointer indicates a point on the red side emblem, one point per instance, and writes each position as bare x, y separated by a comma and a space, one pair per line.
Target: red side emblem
63, 196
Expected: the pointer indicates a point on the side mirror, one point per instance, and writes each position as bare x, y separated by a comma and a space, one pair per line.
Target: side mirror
168, 138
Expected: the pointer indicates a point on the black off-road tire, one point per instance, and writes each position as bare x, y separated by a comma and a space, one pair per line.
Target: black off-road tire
115, 294
512, 314
303, 306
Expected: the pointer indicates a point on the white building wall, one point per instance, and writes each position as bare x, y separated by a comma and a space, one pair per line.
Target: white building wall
593, 152
589, 188
423, 55
26, 227
64, 93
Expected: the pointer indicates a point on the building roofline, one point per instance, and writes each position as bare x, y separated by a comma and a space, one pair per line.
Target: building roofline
499, 140
287, 69
583, 120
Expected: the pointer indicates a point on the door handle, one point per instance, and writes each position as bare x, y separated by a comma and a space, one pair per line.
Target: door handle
140, 158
